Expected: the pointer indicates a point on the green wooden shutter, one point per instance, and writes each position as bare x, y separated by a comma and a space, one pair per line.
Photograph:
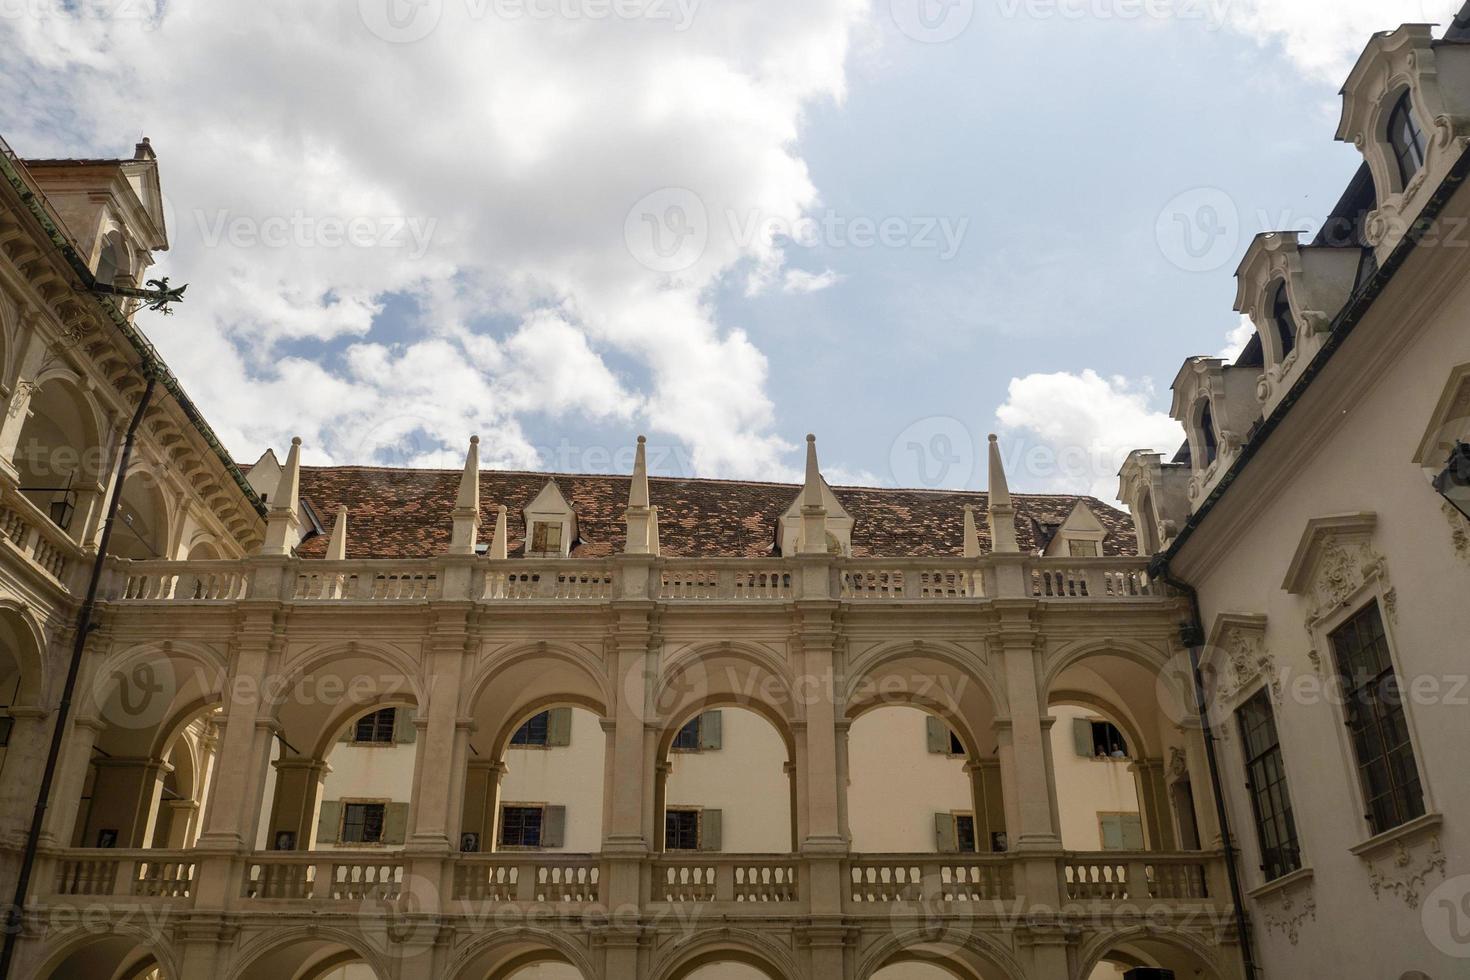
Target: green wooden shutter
1082, 737
554, 827
711, 830
1112, 832
711, 730
937, 734
946, 841
329, 824
395, 823
559, 727
404, 731
1132, 826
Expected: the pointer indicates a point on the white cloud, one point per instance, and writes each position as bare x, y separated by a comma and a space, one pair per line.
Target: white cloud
1069, 433
801, 281
488, 170
1237, 339
1325, 37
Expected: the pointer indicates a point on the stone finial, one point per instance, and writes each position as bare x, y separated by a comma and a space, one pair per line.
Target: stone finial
337, 546
499, 545
813, 513
467, 504
1002, 511
282, 525
639, 516
972, 536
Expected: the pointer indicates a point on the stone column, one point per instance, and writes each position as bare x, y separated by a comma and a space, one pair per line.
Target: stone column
25, 758
59, 828
123, 795
1153, 804
464, 728
434, 770
297, 798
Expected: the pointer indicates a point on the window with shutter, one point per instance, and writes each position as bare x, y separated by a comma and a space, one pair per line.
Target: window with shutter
546, 538
964, 828
1082, 549
362, 823
375, 728
554, 826
404, 731
681, 830
711, 731
711, 830
1121, 831
329, 822
395, 823
687, 740
559, 727
520, 826
535, 732
946, 838
936, 733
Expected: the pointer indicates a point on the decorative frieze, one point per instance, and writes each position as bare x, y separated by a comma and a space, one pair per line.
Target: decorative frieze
1406, 872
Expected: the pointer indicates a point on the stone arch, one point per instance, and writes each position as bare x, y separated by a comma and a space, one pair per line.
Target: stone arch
528, 686
1141, 654
729, 946
24, 641
125, 950
286, 952
711, 675
58, 453
969, 957
1184, 953
1120, 718
145, 522
499, 955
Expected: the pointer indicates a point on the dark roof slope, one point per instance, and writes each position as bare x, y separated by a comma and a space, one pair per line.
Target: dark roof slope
406, 513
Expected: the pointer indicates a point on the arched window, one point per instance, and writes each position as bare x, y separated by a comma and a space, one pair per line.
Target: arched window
1406, 138
1208, 439
1283, 320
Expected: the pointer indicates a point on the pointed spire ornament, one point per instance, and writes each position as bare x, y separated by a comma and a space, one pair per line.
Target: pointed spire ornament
813, 513
653, 545
467, 504
499, 544
282, 525
972, 536
1002, 512
337, 546
638, 517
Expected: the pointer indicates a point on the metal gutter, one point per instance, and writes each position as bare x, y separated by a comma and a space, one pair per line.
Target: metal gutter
153, 363
1343, 325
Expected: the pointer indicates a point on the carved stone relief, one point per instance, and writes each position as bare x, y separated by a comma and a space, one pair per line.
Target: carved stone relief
1405, 874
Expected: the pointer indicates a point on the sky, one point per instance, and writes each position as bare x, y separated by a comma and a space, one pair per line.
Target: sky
898, 224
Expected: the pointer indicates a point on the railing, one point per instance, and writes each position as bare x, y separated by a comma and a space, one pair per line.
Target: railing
739, 878
889, 878
33, 534
1134, 877
573, 879
1092, 578
865, 581
323, 876
870, 580
736, 580
523, 580
135, 874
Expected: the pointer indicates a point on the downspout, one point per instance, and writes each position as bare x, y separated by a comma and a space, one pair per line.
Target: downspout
1193, 635
15, 914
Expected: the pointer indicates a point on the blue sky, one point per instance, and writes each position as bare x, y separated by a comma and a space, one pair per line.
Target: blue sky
1025, 170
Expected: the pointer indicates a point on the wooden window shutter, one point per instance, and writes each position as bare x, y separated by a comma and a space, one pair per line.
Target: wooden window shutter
559, 727
1112, 832
711, 830
1082, 737
404, 731
395, 823
554, 826
329, 824
937, 733
946, 841
711, 730
1132, 826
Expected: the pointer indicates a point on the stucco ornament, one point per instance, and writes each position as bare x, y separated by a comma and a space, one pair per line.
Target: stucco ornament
1459, 530
1244, 660
1290, 913
1334, 562
1405, 874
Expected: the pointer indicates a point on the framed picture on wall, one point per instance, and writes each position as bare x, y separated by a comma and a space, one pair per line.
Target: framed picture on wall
469, 843
107, 837
285, 841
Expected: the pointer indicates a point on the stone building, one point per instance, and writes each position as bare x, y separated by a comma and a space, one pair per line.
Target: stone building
348, 723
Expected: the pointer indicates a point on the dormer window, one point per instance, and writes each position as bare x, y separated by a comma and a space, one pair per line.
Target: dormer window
1208, 439
1282, 319
1406, 139
546, 538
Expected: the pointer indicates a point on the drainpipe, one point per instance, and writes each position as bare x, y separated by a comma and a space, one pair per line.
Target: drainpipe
1193, 635
15, 915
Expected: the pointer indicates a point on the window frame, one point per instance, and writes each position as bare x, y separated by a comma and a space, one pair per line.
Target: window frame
1402, 115
1285, 328
540, 545
500, 824
374, 719
1352, 612
1286, 811
698, 814
342, 822
529, 727
680, 742
1209, 436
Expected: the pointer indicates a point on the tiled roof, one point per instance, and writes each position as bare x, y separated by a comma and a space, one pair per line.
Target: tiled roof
407, 513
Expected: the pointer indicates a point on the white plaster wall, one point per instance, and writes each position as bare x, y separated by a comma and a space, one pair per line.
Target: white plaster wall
569, 776
1087, 787
896, 785
745, 779
1363, 464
